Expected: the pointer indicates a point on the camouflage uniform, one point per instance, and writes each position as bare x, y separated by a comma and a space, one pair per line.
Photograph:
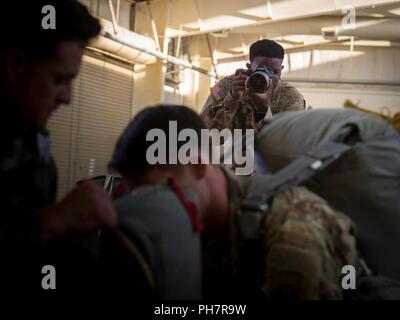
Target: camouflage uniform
221, 110
304, 244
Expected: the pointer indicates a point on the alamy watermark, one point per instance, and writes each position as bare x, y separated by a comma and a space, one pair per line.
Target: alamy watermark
237, 149
349, 20
49, 20
349, 280
49, 280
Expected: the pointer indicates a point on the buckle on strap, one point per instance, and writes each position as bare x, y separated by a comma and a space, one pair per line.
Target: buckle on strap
250, 220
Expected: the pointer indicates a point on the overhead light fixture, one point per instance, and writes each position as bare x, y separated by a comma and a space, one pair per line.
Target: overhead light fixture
220, 34
395, 11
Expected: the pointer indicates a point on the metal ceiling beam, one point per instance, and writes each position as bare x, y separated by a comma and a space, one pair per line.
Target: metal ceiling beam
327, 45
153, 26
384, 29
113, 17
280, 11
298, 48
160, 55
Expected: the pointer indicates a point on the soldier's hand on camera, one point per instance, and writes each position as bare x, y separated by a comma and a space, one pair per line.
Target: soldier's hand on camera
261, 100
239, 83
84, 209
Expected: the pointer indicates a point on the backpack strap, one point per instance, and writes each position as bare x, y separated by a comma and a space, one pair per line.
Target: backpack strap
260, 189
305, 167
137, 255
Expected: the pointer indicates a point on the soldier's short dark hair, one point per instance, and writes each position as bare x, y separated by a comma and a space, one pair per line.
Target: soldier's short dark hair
130, 152
22, 28
266, 48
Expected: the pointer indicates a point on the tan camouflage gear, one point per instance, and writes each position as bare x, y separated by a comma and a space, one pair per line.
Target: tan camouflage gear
222, 111
306, 245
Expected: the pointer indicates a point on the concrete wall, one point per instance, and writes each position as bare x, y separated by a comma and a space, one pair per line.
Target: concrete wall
148, 82
378, 68
372, 64
385, 100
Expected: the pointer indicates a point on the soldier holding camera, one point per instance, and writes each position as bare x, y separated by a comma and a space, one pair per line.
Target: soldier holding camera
242, 100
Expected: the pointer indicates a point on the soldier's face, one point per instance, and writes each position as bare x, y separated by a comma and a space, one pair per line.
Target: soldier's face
40, 87
274, 64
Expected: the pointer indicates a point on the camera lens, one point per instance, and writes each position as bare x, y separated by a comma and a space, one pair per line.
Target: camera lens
258, 82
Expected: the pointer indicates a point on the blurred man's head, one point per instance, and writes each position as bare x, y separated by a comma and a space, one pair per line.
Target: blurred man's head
268, 53
38, 65
130, 159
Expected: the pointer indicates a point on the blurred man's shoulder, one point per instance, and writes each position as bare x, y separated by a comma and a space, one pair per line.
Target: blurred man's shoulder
289, 89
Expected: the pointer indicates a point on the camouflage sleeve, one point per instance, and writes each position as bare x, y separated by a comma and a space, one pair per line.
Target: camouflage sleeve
304, 236
220, 108
293, 100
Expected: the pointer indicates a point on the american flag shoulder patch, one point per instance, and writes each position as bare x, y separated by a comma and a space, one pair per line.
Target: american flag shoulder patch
217, 92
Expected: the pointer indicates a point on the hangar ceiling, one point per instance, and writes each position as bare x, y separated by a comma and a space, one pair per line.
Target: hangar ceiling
299, 25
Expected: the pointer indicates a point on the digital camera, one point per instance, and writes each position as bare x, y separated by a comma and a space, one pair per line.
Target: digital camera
260, 79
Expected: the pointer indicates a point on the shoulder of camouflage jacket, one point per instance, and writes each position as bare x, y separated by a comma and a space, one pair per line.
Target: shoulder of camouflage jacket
289, 93
304, 235
220, 90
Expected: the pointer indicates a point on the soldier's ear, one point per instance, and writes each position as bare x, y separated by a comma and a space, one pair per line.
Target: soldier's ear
15, 62
248, 65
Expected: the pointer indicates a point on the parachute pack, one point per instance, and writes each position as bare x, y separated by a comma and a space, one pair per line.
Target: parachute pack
350, 159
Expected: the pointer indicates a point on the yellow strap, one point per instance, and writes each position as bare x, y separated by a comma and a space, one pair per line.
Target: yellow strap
393, 120
128, 244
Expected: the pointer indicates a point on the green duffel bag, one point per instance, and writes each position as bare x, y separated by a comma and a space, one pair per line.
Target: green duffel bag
352, 160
